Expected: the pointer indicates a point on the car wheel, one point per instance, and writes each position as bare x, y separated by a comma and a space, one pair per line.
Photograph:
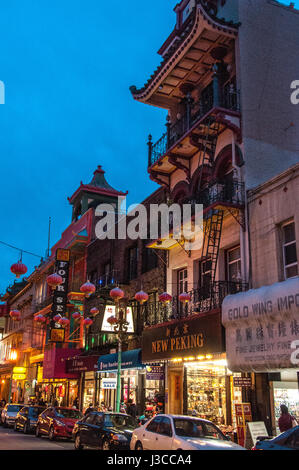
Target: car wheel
37, 432
51, 434
106, 445
138, 446
78, 445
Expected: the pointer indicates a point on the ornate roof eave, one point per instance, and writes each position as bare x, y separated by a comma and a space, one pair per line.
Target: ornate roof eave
93, 189
201, 20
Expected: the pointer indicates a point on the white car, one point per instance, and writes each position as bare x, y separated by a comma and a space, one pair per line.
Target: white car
170, 432
9, 414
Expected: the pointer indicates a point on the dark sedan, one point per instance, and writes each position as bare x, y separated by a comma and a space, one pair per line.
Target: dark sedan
27, 417
288, 440
106, 431
57, 422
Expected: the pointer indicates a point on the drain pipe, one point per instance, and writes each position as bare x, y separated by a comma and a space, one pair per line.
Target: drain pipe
244, 247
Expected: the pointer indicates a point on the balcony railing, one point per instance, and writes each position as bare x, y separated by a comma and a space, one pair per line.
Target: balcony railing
227, 192
228, 99
203, 300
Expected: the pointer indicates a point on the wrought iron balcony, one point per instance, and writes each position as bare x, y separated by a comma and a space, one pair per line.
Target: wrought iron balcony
231, 192
227, 99
203, 300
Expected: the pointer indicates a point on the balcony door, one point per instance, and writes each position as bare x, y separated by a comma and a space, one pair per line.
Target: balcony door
182, 286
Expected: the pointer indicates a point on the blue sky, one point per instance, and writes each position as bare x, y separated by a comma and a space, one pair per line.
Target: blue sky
67, 67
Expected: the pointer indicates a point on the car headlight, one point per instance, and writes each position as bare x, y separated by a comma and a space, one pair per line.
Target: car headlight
119, 438
59, 423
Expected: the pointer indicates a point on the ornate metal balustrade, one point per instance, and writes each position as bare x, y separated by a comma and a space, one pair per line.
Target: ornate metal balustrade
203, 300
228, 99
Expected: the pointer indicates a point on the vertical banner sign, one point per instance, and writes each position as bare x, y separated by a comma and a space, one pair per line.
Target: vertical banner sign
59, 305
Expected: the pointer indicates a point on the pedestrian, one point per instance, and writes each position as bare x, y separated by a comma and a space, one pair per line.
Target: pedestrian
76, 403
123, 408
89, 409
55, 402
286, 420
103, 406
131, 408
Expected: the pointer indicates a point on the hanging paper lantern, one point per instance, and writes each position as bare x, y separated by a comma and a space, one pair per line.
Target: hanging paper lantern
18, 269
184, 297
15, 315
141, 297
165, 298
57, 318
117, 294
64, 321
94, 311
112, 320
54, 280
87, 322
40, 319
88, 288
76, 315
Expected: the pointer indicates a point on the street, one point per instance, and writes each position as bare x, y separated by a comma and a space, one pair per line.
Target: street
10, 440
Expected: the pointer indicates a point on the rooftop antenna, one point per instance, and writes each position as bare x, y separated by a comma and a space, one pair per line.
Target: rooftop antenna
49, 237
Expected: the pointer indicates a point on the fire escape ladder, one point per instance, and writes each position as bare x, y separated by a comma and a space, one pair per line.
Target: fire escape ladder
211, 244
209, 146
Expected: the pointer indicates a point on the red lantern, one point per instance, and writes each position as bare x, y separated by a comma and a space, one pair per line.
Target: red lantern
94, 311
112, 320
54, 280
87, 322
141, 297
40, 319
57, 318
64, 321
88, 288
117, 294
165, 298
15, 315
184, 297
76, 315
18, 269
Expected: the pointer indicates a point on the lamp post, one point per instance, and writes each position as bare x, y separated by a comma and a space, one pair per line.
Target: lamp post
121, 328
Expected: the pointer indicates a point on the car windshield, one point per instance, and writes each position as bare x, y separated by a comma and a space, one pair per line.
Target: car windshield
196, 428
14, 408
120, 421
35, 412
66, 413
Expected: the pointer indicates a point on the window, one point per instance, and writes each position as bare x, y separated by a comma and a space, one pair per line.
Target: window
164, 427
234, 264
182, 281
205, 278
290, 261
133, 263
149, 259
153, 425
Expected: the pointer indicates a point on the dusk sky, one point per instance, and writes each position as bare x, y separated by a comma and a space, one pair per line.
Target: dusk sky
67, 68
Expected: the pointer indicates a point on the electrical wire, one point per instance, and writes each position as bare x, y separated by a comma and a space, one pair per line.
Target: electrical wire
22, 251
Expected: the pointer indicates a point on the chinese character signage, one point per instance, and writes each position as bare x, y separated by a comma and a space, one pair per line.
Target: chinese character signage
110, 311
60, 299
262, 328
183, 338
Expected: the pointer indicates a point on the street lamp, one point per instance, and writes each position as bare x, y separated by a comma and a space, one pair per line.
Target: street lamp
120, 326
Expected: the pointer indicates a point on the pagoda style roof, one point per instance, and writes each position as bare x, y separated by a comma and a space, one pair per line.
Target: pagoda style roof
175, 52
98, 185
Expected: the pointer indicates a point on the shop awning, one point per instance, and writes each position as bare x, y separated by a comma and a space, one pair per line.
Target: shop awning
129, 360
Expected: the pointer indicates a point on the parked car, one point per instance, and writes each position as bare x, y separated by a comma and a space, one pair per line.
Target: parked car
170, 432
288, 440
9, 414
27, 417
57, 422
107, 431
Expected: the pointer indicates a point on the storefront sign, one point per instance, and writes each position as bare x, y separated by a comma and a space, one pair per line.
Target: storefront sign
109, 384
110, 311
57, 335
54, 364
60, 299
262, 327
253, 431
183, 338
82, 364
155, 373
242, 382
129, 360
